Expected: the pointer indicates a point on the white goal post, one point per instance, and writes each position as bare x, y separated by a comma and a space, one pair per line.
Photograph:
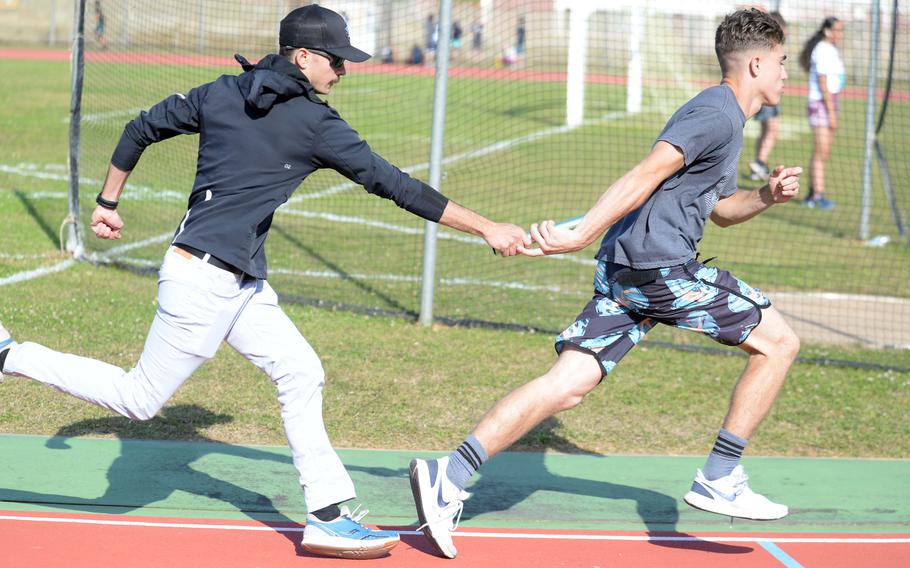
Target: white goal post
579, 12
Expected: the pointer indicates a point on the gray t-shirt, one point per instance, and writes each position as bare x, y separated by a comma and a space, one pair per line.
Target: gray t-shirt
666, 229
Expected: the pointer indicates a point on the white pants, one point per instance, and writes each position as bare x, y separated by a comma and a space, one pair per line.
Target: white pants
199, 306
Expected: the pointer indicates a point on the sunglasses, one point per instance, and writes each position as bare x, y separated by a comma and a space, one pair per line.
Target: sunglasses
335, 61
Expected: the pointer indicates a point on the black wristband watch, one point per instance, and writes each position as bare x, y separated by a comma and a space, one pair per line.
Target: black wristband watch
106, 203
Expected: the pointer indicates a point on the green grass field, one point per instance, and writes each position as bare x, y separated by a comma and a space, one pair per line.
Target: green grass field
392, 383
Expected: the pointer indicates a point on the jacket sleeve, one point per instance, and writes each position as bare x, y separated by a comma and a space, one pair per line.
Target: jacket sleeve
338, 146
177, 114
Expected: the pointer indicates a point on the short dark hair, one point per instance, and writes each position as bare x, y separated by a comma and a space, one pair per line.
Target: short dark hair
287, 51
743, 30
778, 17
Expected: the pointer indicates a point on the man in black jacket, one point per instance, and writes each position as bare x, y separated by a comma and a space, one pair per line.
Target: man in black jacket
261, 134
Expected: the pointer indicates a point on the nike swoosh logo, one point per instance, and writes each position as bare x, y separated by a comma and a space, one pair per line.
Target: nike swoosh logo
442, 504
726, 496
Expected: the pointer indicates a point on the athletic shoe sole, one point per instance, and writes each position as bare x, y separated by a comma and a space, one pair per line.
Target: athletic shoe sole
343, 549
421, 516
699, 501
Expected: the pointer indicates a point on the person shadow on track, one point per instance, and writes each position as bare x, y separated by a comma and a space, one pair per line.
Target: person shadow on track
513, 477
140, 477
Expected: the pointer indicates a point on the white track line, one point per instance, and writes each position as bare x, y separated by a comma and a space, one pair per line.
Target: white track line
96, 117
836, 297
709, 538
107, 256
37, 273
455, 158
415, 279
96, 257
385, 277
18, 256
539, 536
49, 172
443, 234
163, 237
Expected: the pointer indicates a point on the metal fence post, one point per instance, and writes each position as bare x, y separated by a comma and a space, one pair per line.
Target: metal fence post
200, 41
870, 123
52, 26
74, 234
428, 280
125, 40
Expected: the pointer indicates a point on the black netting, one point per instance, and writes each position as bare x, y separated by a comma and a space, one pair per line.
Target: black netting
514, 151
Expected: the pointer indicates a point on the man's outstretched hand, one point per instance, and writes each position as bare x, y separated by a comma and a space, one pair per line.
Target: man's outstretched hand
506, 238
552, 239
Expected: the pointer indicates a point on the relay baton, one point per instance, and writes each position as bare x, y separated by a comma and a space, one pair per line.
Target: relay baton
568, 224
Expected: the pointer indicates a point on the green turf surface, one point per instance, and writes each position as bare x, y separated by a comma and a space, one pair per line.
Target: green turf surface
515, 490
392, 383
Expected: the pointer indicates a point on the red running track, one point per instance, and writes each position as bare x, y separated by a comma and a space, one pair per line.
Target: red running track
48, 540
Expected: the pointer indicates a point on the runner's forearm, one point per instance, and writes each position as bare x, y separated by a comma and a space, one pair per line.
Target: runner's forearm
114, 183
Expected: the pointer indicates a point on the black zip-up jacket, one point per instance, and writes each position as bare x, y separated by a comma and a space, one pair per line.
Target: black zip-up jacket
261, 133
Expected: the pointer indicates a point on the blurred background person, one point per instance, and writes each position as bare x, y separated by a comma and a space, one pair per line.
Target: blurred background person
416, 57
508, 56
431, 31
477, 35
827, 77
100, 21
457, 32
520, 36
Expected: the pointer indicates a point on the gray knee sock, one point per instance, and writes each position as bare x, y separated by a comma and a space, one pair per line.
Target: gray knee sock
728, 449
464, 461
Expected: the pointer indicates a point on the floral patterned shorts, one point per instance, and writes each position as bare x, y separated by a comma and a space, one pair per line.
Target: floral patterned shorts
688, 296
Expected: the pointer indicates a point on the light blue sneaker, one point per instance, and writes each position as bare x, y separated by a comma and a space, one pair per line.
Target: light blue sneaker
345, 537
820, 203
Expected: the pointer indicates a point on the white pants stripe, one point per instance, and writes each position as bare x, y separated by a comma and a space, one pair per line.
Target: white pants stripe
199, 306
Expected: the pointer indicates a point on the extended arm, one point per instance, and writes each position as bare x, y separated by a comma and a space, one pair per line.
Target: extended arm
346, 152
505, 238
743, 205
106, 223
627, 194
177, 114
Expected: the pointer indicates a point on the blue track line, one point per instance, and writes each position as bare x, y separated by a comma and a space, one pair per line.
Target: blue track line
778, 553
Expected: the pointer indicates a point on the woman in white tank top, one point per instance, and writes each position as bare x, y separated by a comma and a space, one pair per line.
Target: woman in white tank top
826, 79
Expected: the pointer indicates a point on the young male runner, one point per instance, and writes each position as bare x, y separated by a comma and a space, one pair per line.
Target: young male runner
648, 274
261, 133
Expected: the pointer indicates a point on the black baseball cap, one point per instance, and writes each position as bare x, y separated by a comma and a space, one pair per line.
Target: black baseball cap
319, 28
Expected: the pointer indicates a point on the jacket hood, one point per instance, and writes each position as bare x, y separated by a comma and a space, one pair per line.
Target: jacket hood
272, 78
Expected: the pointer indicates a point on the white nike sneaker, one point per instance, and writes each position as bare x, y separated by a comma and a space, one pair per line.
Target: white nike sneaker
439, 503
730, 496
